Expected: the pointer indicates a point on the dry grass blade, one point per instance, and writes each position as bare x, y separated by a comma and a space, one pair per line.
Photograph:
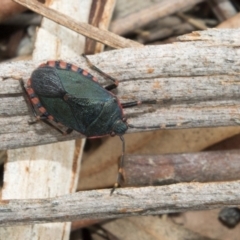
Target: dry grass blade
103, 36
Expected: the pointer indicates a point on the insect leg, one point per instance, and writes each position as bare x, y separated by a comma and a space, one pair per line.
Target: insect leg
160, 126
66, 132
105, 75
136, 103
119, 176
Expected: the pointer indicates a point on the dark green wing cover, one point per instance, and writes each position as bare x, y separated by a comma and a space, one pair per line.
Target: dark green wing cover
89, 108
80, 86
97, 117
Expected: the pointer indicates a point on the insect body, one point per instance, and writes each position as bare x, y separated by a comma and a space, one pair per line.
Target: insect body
67, 94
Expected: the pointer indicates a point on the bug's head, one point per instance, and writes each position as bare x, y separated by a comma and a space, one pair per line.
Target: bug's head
119, 127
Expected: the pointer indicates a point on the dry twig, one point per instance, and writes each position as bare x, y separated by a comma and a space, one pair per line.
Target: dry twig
124, 202
142, 170
85, 29
195, 84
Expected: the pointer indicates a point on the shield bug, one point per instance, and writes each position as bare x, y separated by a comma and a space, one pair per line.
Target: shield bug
64, 93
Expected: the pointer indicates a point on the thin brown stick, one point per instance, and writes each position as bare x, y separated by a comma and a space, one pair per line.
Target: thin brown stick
140, 170
100, 17
85, 29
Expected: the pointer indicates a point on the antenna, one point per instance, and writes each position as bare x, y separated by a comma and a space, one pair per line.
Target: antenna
119, 176
157, 126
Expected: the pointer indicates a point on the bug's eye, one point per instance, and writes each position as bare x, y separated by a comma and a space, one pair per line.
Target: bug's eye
124, 119
65, 97
112, 134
